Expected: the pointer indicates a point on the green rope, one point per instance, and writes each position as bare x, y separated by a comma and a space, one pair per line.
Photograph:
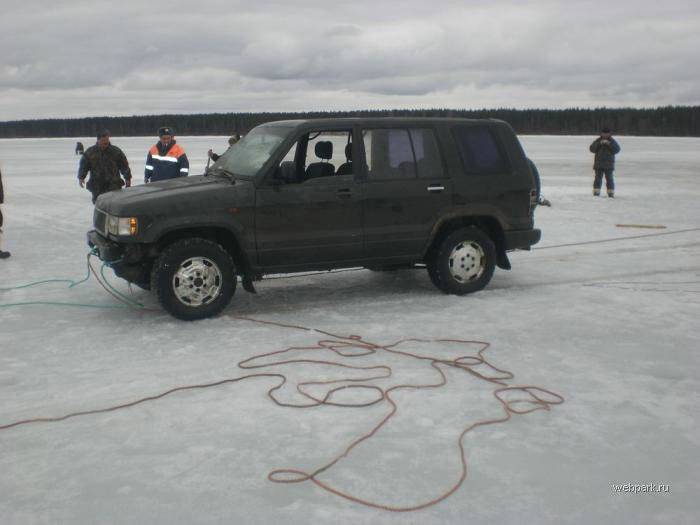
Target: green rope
123, 297
71, 284
52, 303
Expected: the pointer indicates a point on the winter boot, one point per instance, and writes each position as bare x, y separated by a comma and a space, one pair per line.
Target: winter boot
4, 255
611, 194
596, 192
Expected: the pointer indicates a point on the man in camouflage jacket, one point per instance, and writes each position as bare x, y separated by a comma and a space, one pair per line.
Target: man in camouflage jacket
105, 162
605, 148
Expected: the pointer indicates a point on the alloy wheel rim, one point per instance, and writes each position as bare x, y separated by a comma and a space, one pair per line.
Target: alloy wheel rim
197, 281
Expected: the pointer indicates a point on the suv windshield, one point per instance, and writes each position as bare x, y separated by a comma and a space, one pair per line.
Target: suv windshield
247, 156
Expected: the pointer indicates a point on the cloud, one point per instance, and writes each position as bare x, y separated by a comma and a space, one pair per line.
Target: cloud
93, 58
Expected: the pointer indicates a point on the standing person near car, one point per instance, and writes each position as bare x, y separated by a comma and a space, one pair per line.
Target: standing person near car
3, 255
166, 159
231, 141
605, 148
104, 161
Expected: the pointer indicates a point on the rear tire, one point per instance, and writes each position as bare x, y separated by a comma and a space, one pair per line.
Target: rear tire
194, 279
464, 262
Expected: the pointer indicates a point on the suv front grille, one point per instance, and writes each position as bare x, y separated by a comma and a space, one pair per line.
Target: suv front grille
100, 221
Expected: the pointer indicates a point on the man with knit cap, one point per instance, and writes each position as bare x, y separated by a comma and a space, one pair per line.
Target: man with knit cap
166, 159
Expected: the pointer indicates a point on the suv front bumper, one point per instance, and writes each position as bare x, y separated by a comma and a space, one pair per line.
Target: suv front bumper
107, 250
521, 239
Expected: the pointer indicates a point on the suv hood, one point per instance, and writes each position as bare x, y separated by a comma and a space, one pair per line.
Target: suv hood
158, 198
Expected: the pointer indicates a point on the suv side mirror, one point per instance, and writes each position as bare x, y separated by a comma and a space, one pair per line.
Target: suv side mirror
285, 173
276, 178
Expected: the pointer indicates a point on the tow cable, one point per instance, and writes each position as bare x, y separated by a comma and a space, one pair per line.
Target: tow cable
130, 303
613, 239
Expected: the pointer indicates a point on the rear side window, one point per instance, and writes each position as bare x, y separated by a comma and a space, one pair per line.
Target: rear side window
479, 150
401, 154
428, 160
389, 154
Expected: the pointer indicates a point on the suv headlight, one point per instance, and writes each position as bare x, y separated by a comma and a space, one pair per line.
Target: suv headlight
122, 225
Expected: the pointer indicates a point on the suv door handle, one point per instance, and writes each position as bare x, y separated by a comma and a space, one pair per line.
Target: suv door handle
344, 193
435, 188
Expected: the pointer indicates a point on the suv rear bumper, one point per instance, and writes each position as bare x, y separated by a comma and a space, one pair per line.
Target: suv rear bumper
521, 239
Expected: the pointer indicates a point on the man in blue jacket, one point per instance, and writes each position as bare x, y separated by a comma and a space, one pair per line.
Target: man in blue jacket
166, 159
605, 148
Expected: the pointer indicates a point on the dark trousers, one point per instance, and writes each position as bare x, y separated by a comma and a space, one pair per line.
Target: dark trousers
99, 189
609, 181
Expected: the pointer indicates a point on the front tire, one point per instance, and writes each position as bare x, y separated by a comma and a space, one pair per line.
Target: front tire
194, 279
464, 262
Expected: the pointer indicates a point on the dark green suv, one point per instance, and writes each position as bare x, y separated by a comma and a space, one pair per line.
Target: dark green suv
452, 194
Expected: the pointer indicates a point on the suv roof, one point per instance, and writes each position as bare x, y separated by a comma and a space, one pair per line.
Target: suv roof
378, 121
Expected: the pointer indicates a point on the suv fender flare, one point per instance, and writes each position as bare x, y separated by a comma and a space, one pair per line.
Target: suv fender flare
219, 233
487, 223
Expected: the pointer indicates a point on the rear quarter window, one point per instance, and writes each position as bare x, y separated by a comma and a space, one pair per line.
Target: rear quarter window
480, 150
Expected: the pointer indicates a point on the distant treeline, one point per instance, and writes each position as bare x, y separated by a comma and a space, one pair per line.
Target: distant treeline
677, 121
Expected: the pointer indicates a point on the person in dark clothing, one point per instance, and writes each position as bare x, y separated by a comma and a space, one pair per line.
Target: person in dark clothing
538, 184
346, 168
105, 162
79, 148
3, 254
166, 159
605, 148
231, 141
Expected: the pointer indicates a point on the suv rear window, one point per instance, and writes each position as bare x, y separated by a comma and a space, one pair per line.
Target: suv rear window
479, 150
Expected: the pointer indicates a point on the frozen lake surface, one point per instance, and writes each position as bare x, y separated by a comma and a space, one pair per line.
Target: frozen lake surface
612, 327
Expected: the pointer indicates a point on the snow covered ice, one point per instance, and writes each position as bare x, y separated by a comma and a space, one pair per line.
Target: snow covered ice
612, 327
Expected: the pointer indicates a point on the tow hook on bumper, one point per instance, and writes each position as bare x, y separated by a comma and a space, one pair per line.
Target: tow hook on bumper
106, 249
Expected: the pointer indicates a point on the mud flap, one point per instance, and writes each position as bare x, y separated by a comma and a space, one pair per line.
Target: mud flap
502, 260
247, 283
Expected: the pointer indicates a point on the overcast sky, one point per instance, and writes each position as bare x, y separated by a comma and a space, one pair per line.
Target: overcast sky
123, 57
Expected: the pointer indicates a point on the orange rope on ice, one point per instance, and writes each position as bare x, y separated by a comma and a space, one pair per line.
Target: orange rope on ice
343, 348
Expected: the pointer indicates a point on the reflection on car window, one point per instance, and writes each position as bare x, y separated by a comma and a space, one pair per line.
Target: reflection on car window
428, 159
247, 156
389, 154
401, 154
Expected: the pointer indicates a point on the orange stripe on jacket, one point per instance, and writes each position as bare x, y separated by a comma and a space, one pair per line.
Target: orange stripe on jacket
175, 151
